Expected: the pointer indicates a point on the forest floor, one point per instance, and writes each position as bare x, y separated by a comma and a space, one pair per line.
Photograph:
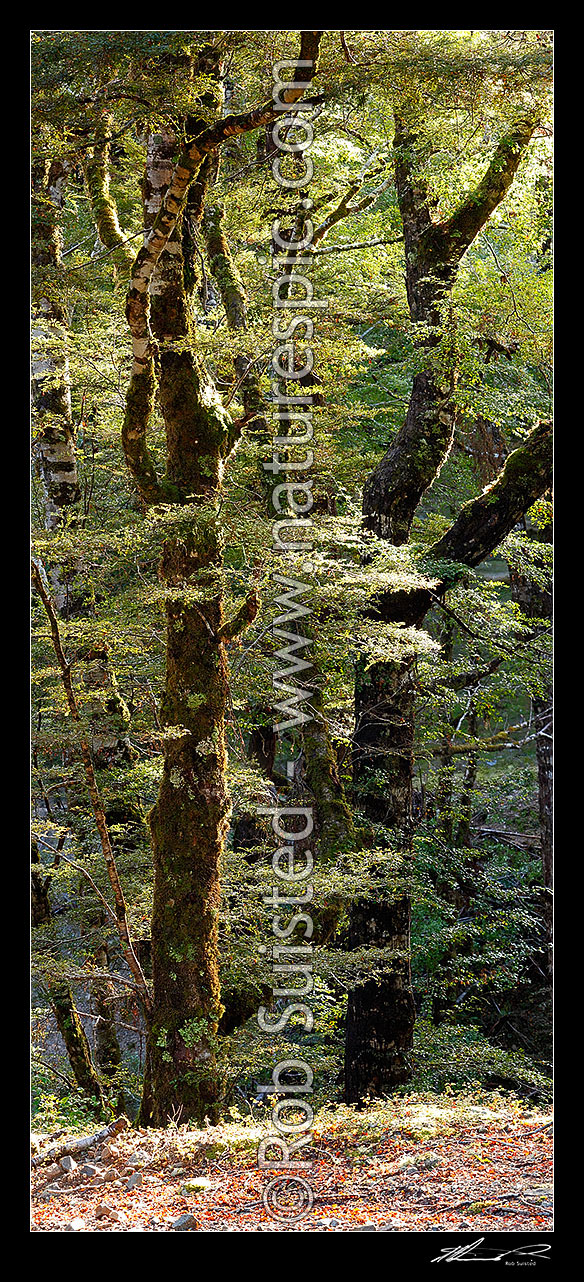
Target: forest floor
420, 1163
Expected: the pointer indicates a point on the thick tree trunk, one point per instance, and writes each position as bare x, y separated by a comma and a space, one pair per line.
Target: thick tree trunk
383, 742
190, 820
384, 729
380, 1014
189, 824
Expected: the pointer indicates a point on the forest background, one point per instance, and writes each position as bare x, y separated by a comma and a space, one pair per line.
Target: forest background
427, 757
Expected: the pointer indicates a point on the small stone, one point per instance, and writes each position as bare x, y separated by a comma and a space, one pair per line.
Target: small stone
68, 1163
88, 1171
76, 1225
138, 1158
135, 1180
52, 1172
183, 1224
108, 1151
103, 1211
366, 1228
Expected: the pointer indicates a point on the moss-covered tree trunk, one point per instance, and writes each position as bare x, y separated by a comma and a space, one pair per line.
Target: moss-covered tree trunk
384, 694
189, 820
54, 431
76, 1043
61, 997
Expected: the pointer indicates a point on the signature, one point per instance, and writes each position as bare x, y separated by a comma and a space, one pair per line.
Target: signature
475, 1251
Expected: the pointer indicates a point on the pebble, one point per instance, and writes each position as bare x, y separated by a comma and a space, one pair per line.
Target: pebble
68, 1163
183, 1224
88, 1170
103, 1211
76, 1225
138, 1158
135, 1180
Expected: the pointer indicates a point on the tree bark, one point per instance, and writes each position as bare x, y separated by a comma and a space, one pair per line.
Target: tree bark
537, 603
378, 1044
385, 728
78, 1051
190, 818
54, 446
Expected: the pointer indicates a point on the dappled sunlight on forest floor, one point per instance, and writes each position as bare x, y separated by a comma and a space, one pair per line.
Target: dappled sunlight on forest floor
438, 1163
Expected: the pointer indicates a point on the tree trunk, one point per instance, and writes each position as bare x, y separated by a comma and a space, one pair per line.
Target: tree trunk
380, 1014
189, 821
72, 1032
384, 729
54, 447
536, 602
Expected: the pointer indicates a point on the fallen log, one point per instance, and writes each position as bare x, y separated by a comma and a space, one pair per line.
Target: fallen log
70, 1147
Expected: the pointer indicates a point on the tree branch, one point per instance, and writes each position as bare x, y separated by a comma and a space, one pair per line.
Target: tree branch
484, 522
458, 231
140, 391
102, 204
479, 528
242, 620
